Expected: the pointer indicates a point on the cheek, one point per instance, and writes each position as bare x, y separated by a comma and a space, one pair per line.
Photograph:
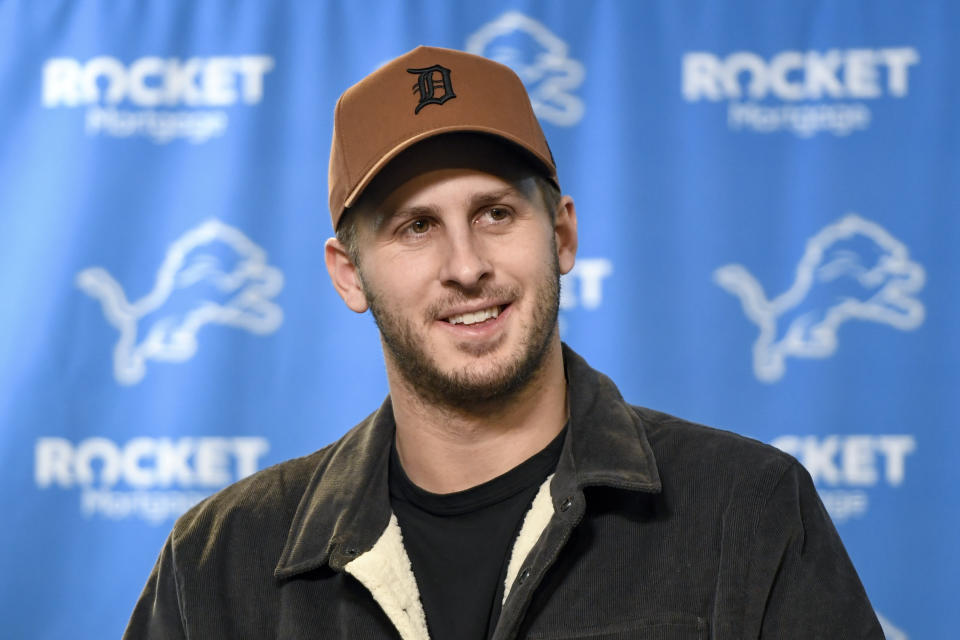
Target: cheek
401, 284
529, 273
535, 256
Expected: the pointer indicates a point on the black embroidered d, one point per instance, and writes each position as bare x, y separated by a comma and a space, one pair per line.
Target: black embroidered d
428, 84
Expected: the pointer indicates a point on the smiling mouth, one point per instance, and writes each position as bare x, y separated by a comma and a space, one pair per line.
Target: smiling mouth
475, 317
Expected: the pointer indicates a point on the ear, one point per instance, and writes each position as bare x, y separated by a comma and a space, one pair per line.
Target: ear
565, 232
344, 275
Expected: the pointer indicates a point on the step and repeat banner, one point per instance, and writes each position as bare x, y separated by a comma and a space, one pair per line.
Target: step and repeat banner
767, 193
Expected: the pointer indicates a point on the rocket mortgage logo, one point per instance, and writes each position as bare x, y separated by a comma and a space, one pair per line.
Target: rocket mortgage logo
152, 479
160, 99
799, 92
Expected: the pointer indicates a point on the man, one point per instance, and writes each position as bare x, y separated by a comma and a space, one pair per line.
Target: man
504, 489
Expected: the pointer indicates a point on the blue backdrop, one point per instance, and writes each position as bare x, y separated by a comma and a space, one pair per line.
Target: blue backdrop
767, 193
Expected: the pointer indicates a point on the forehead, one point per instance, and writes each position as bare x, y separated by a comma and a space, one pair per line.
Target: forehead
492, 164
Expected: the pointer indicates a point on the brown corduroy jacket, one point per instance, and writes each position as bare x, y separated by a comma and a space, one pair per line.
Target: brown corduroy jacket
651, 527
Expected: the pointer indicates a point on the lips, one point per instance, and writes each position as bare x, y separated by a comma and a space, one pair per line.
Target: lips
473, 317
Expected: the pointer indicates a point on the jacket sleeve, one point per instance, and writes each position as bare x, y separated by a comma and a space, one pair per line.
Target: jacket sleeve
802, 583
157, 615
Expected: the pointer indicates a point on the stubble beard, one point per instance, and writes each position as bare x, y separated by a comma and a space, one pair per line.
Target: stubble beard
465, 389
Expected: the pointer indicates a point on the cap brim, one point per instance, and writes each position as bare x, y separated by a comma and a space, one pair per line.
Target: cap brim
546, 164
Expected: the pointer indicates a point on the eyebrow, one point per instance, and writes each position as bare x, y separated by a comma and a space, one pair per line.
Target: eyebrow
383, 218
481, 199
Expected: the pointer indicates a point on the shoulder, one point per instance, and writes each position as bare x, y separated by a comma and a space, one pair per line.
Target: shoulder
255, 514
690, 453
272, 495
264, 502
680, 437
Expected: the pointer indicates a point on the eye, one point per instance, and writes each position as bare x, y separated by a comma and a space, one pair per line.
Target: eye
418, 227
494, 215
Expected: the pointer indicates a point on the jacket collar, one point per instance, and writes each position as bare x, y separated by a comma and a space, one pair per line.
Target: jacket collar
606, 440
346, 505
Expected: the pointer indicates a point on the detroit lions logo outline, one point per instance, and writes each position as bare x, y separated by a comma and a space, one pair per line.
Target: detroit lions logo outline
147, 332
427, 85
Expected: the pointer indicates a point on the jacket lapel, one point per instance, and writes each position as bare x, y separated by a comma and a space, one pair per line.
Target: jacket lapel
344, 518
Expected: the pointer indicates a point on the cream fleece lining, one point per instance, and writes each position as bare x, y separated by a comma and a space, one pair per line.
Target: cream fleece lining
386, 572
536, 520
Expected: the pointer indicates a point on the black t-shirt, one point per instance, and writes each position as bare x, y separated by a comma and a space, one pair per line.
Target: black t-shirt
459, 543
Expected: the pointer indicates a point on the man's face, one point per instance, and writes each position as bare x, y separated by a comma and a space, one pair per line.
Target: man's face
460, 269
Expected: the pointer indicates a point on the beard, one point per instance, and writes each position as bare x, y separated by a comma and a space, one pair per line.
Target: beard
464, 388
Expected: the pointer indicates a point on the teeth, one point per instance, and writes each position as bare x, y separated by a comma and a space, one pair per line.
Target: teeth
475, 317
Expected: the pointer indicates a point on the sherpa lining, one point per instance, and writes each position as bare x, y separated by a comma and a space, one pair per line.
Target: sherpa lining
386, 572
536, 520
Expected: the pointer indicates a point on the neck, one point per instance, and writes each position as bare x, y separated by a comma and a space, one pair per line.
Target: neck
446, 449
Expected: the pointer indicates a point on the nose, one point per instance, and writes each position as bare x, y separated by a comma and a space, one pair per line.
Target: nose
465, 264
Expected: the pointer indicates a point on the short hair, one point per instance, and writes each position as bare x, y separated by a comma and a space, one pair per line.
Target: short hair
346, 231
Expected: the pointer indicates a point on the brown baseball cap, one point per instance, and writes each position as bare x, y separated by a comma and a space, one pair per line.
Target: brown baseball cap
425, 93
